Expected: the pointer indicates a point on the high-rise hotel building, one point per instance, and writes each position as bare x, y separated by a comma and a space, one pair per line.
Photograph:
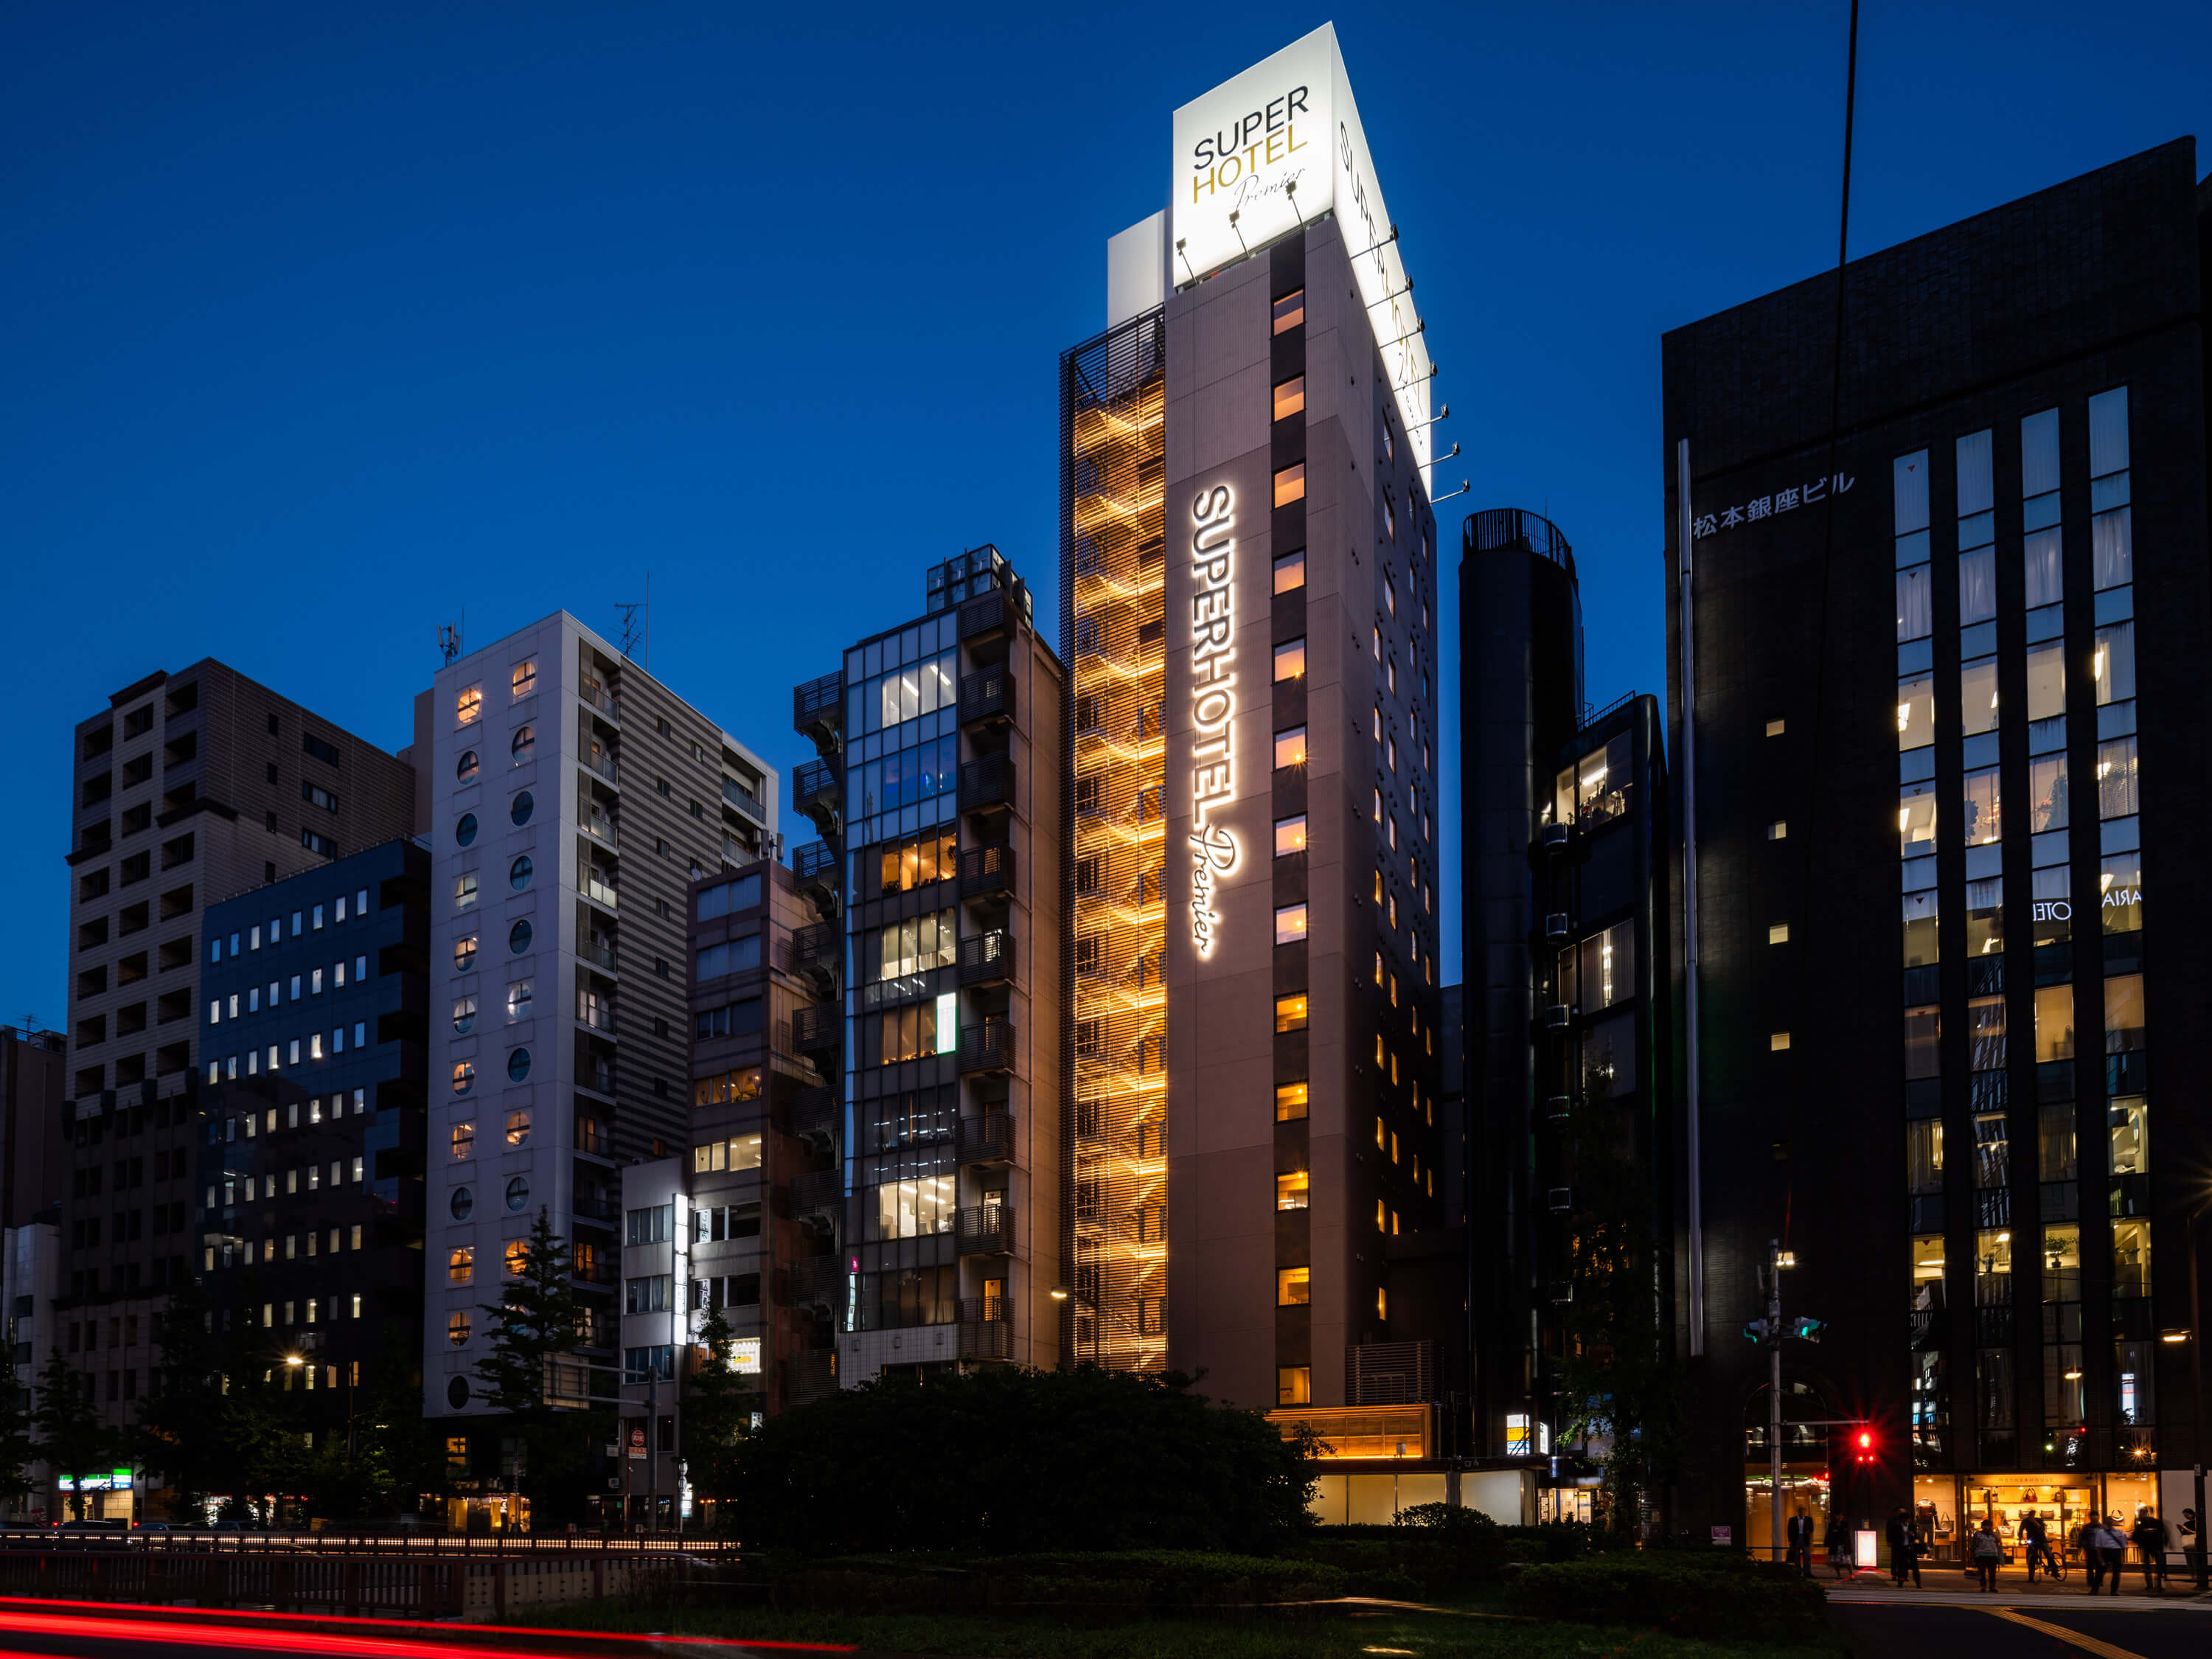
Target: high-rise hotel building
1249, 594
573, 800
1946, 647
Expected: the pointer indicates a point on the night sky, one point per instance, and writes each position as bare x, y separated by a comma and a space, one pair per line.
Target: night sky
321, 330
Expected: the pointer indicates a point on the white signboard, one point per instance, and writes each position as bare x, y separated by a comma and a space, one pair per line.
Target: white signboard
1280, 146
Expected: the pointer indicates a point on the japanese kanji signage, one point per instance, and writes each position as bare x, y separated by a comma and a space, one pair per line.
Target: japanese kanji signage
1768, 507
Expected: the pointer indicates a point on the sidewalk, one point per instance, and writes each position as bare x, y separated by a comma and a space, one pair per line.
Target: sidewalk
1950, 1584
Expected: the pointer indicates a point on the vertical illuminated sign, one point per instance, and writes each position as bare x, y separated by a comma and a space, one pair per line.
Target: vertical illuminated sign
1213, 848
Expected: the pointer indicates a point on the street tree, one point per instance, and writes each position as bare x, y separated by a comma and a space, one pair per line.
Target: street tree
72, 1439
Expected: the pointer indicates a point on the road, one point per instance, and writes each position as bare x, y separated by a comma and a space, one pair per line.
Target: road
2042, 1629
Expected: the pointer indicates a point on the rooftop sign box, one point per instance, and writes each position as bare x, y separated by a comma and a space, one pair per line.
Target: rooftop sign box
1278, 146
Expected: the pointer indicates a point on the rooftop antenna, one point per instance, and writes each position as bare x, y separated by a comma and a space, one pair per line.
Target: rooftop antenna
637, 624
449, 639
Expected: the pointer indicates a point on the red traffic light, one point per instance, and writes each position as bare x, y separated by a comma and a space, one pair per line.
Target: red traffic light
1864, 1449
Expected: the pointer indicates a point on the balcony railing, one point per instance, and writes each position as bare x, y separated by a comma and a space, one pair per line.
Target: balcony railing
597, 1142
594, 695
983, 618
817, 951
599, 953
813, 1373
817, 1031
744, 799
596, 1011
599, 892
817, 861
988, 1138
816, 1114
818, 1281
987, 1045
987, 872
986, 959
815, 790
987, 697
987, 785
590, 1207
818, 1192
817, 709
985, 1230
600, 828
986, 1330
601, 766
599, 1079
595, 1272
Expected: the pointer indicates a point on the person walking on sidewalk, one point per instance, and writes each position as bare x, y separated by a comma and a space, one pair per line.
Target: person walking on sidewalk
2149, 1538
1801, 1541
1904, 1549
1839, 1547
2035, 1538
1987, 1550
2108, 1549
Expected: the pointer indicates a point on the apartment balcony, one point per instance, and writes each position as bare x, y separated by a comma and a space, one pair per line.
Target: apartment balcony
599, 1273
987, 1045
600, 828
597, 950
988, 1138
601, 701
745, 800
819, 1195
593, 1207
987, 1331
818, 712
987, 785
813, 1374
986, 959
817, 1281
986, 873
601, 766
985, 1230
818, 1032
986, 699
985, 619
816, 865
815, 788
818, 951
594, 886
596, 1013
595, 1076
594, 1143
817, 1115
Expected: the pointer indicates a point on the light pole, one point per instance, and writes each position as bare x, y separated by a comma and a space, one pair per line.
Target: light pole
2196, 1385
1768, 1333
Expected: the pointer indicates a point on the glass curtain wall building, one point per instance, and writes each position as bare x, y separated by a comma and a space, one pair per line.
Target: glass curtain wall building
1984, 850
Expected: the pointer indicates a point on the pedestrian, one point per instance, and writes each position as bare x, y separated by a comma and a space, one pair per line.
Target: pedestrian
2035, 1538
1801, 1541
1839, 1546
1987, 1549
1904, 1549
2149, 1539
2108, 1549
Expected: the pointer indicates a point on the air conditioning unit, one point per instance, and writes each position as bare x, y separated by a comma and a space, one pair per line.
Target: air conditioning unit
1555, 925
1558, 1017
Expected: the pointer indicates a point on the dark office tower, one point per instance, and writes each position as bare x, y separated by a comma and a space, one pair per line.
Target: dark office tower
1949, 855
575, 800
1247, 578
33, 1084
299, 1211
939, 793
1521, 697
189, 787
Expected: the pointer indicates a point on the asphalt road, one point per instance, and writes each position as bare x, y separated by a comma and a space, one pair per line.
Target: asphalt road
2036, 1629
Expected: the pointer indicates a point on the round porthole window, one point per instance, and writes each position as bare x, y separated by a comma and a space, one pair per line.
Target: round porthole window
464, 952
520, 811
518, 937
519, 874
518, 1065
518, 1257
457, 1393
465, 768
465, 1077
465, 832
518, 1128
456, 1329
526, 739
464, 1201
518, 1193
464, 1015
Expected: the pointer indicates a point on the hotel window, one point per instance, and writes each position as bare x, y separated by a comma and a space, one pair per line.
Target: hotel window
1291, 311
2124, 1013
1980, 807
1294, 1385
2118, 790
2127, 1135
461, 1265
1924, 1029
1985, 1033
1293, 1286
1920, 929
1290, 659
2131, 1259
465, 891
1978, 696
1292, 1190
1915, 820
525, 678
1291, 571
1915, 612
1290, 485
1291, 1012
1916, 712
1290, 836
1924, 1155
2054, 1024
2120, 884
469, 706
1291, 1100
1291, 924
2113, 666
1291, 746
2042, 546
1778, 933
1291, 397
464, 1139
2046, 683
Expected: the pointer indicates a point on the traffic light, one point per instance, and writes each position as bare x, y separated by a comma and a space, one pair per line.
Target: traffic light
1863, 1449
1807, 1329
1754, 1332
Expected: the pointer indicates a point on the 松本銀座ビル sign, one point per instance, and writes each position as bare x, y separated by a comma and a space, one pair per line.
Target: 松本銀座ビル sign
1213, 847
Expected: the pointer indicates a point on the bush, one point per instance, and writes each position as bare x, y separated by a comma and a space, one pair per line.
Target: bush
1713, 1595
1081, 1460
1132, 1580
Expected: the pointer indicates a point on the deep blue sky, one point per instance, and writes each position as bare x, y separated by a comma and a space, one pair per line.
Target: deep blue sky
319, 325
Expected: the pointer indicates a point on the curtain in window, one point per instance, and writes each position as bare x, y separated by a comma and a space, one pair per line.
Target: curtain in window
2118, 786
2112, 548
1977, 586
2114, 664
1914, 617
2043, 552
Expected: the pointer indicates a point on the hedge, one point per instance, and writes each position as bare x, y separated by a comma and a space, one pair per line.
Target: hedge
1711, 1595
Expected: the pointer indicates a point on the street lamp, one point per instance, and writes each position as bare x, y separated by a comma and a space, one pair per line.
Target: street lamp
2195, 1337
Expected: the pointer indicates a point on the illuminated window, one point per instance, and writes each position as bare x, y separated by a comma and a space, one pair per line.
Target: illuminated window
464, 1139
1291, 1012
1291, 925
464, 953
526, 677
1290, 1101
1379, 1051
1293, 1286
1290, 836
1290, 485
1778, 830
526, 740
1778, 1041
1393, 1149
465, 891
1778, 933
464, 1015
1291, 311
1291, 397
1294, 1385
461, 1265
1774, 728
518, 1128
465, 1077
1291, 746
1381, 1303
1382, 1216
1382, 1136
469, 706
456, 1329
1291, 571
518, 1257
1378, 968
1290, 661
1291, 1190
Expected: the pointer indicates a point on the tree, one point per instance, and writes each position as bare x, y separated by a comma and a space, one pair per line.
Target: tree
719, 1403
72, 1439
15, 1449
534, 1328
1618, 1378
1086, 1458
177, 1435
